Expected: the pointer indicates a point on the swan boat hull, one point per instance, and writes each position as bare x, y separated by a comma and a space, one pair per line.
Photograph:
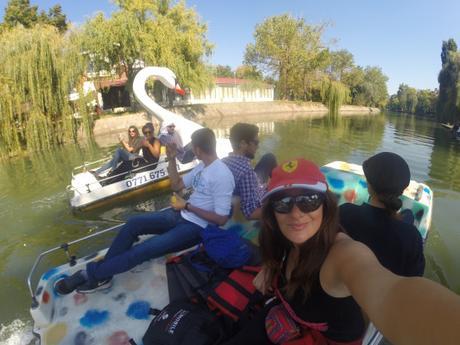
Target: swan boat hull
89, 193
120, 313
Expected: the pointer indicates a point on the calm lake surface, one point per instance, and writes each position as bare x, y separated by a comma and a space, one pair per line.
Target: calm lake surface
35, 216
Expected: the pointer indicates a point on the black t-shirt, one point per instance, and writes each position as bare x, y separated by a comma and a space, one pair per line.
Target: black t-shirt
147, 154
343, 316
397, 245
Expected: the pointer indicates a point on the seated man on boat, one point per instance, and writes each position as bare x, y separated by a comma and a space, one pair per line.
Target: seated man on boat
169, 135
244, 138
150, 145
128, 152
397, 244
176, 228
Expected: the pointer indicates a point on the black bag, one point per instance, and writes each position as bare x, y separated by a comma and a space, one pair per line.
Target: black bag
184, 323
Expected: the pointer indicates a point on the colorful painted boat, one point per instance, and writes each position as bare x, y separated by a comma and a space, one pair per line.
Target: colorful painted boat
86, 192
120, 313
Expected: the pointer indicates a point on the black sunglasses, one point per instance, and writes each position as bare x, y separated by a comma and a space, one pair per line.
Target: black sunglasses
147, 132
306, 203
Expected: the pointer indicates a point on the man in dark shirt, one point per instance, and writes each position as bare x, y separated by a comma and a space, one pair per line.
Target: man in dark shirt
397, 245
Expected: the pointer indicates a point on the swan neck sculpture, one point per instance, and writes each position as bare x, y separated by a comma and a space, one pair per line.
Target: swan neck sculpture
184, 126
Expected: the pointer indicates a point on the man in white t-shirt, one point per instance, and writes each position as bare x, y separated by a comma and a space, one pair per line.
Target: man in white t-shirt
176, 228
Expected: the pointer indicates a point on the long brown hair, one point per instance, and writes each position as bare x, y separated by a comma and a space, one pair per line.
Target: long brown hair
275, 247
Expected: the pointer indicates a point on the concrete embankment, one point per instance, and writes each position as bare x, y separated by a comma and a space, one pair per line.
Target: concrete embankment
222, 114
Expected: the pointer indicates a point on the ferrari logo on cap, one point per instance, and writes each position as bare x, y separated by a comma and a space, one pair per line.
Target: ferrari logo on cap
289, 166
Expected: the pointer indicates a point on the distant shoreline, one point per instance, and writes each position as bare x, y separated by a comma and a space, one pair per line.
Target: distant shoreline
222, 114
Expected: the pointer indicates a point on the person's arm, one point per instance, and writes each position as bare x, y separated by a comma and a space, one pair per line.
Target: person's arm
124, 144
212, 217
250, 196
406, 310
176, 181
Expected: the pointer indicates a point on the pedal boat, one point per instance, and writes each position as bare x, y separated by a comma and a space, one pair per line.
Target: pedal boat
121, 313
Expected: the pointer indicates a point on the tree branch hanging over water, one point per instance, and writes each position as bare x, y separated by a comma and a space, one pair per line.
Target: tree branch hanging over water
39, 68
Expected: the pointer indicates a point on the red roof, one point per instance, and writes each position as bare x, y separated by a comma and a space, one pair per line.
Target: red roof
229, 81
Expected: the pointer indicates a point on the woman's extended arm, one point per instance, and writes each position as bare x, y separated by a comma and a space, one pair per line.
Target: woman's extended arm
406, 310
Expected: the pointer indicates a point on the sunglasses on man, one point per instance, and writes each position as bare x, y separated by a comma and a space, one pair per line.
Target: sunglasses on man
305, 203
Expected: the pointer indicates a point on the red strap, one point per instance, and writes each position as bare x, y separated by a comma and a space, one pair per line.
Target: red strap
319, 326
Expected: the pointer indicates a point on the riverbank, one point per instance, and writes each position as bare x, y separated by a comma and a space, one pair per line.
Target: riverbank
220, 113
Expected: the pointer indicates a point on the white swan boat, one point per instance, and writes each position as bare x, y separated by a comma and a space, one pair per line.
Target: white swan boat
121, 313
87, 192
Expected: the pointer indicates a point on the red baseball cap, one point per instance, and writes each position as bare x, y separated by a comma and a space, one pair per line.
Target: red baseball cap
297, 173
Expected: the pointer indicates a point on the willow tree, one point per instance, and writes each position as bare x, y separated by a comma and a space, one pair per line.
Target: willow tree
334, 94
156, 32
38, 69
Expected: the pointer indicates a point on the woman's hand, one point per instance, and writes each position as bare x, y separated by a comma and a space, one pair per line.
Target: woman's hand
261, 281
177, 203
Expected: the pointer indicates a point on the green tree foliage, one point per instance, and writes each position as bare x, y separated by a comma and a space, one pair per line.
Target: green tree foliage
412, 101
291, 51
426, 102
223, 71
334, 94
368, 86
38, 68
341, 63
284, 47
447, 48
159, 33
248, 72
55, 18
20, 12
448, 106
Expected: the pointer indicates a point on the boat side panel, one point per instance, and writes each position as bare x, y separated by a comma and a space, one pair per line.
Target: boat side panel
104, 317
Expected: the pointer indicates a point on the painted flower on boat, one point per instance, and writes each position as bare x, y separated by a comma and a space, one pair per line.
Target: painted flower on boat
79, 298
46, 297
94, 317
350, 195
139, 310
118, 338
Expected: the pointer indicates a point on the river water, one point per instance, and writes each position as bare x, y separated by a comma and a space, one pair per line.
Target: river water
35, 216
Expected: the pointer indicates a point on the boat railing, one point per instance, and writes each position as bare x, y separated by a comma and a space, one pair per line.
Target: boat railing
129, 172
72, 259
84, 167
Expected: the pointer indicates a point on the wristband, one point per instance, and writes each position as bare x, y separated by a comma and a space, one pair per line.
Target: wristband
187, 204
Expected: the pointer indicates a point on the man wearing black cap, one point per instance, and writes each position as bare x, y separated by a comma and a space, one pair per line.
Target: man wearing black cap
397, 245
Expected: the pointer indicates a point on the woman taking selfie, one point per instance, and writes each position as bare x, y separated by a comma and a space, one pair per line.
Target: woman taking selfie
318, 276
299, 227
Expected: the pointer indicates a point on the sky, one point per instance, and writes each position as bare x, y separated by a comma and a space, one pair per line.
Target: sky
402, 37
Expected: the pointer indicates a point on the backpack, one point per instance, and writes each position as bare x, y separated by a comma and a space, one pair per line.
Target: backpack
184, 323
225, 291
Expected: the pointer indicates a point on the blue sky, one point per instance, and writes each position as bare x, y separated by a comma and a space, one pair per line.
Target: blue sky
402, 37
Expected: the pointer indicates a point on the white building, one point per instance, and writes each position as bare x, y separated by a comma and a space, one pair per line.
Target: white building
231, 90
